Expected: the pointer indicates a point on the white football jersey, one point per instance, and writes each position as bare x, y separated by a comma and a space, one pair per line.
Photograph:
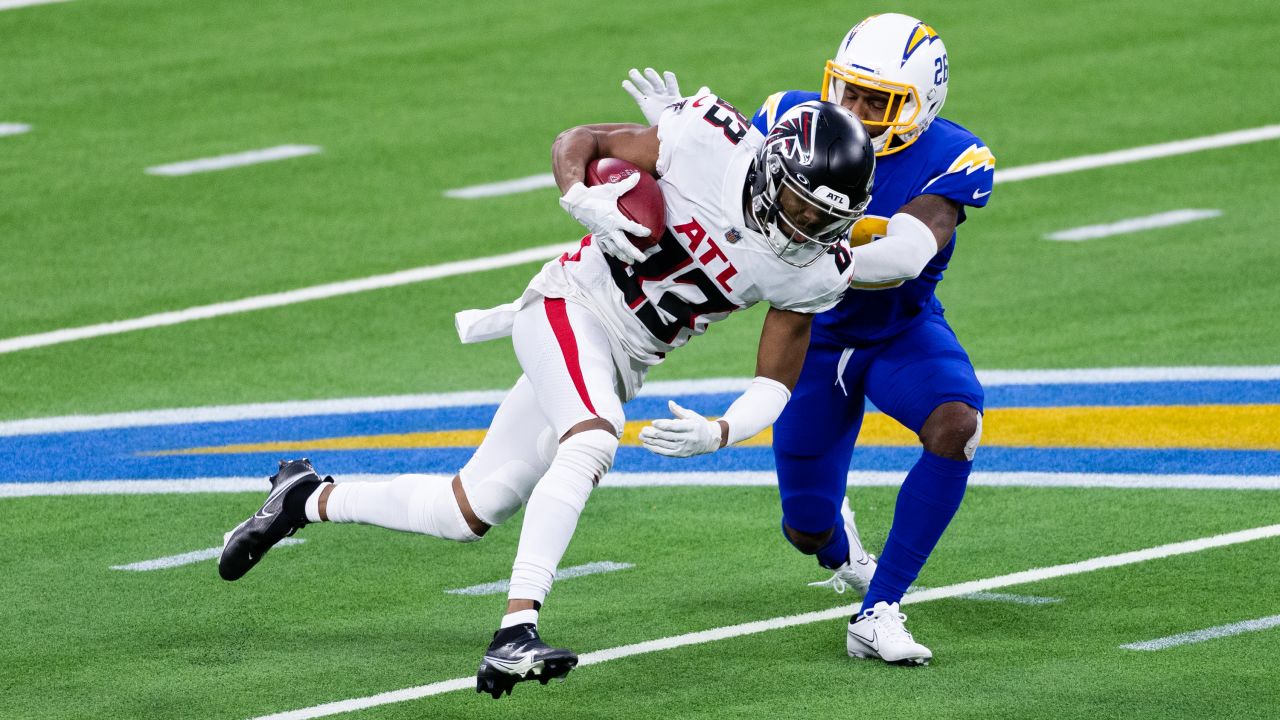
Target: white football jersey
708, 263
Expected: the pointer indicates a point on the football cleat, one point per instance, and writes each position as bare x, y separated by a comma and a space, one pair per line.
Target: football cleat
857, 572
244, 546
517, 654
881, 633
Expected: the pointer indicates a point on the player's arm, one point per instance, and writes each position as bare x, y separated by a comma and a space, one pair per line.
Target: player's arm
597, 207
783, 342
916, 233
576, 147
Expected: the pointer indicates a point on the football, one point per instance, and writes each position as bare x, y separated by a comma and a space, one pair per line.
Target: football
642, 203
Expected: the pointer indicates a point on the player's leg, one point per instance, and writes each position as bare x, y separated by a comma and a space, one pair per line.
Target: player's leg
564, 351
923, 379
812, 445
492, 486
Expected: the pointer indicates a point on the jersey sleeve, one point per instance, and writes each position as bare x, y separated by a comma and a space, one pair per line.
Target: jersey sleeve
968, 176
776, 105
822, 284
695, 129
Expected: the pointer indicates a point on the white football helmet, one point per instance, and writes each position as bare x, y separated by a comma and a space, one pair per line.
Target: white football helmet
899, 55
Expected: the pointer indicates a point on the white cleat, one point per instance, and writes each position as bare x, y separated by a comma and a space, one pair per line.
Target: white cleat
880, 633
857, 572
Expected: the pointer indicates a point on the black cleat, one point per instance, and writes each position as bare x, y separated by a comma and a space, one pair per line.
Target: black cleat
247, 542
518, 654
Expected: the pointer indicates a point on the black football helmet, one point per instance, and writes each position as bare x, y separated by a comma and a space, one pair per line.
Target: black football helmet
822, 155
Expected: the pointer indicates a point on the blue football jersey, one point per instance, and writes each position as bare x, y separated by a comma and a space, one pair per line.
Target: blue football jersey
945, 160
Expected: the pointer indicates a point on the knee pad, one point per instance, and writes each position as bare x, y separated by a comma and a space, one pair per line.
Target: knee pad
498, 492
971, 446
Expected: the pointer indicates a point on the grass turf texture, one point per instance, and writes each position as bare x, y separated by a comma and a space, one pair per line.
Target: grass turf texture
408, 103
358, 610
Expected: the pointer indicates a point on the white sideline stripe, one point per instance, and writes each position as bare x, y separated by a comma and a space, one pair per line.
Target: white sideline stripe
662, 388
1132, 225
233, 160
1025, 172
11, 4
860, 478
289, 297
195, 556
1138, 154
14, 128
505, 187
342, 288
501, 586
1212, 633
759, 626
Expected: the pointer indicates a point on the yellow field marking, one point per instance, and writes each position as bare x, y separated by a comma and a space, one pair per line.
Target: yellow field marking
1220, 427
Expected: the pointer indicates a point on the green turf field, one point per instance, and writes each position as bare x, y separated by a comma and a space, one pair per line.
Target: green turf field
409, 100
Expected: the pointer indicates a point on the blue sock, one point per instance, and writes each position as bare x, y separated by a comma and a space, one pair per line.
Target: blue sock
928, 500
836, 552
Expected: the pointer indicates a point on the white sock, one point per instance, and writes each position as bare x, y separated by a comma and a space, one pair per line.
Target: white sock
553, 510
313, 504
411, 503
519, 617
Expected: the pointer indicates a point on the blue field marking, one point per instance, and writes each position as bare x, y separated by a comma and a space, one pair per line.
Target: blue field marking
120, 453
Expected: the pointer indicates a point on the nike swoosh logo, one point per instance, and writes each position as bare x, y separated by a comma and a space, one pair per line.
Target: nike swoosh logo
521, 665
263, 515
979, 195
699, 101
282, 487
871, 643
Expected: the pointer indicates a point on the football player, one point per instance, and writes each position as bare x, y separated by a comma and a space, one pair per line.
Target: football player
887, 341
748, 219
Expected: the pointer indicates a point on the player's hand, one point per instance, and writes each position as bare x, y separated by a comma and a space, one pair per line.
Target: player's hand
596, 208
687, 435
651, 92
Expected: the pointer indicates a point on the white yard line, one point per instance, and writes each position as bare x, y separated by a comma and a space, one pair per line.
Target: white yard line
860, 478
190, 558
289, 297
1212, 633
11, 4
13, 128
659, 389
837, 613
1132, 225
55, 337
1026, 172
501, 586
1011, 598
504, 187
1138, 154
233, 160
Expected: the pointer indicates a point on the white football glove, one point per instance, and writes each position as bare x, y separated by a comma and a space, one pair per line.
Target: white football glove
652, 93
687, 435
596, 208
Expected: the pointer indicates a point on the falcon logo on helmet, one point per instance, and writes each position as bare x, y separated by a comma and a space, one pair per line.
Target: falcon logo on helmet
810, 181
794, 135
898, 56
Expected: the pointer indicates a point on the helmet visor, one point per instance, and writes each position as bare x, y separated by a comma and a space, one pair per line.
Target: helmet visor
805, 219
801, 230
901, 108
